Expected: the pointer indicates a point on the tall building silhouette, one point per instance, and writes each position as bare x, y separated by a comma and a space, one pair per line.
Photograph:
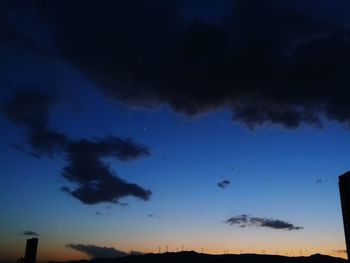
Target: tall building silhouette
32, 245
344, 189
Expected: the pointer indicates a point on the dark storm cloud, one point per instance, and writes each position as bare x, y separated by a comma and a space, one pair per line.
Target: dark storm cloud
245, 220
223, 184
269, 61
97, 251
95, 180
30, 233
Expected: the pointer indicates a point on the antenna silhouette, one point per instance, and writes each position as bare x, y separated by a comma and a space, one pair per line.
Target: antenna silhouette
182, 247
158, 250
166, 249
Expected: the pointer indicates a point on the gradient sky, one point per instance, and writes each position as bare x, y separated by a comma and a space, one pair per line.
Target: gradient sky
279, 138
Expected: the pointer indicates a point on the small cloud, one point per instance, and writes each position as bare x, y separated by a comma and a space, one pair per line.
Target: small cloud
154, 216
30, 233
245, 221
223, 184
102, 213
319, 181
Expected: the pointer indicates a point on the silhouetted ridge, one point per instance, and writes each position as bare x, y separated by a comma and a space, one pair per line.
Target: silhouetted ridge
192, 256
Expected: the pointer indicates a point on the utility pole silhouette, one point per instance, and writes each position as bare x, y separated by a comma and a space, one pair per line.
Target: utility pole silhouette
158, 250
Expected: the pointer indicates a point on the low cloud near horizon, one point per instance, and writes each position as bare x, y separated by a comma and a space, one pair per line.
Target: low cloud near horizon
247, 221
100, 251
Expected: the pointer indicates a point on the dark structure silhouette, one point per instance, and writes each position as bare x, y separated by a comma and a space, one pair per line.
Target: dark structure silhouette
32, 245
344, 189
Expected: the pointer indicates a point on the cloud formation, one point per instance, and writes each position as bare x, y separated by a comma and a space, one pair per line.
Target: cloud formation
30, 233
224, 183
95, 181
245, 221
31, 111
286, 65
97, 251
319, 181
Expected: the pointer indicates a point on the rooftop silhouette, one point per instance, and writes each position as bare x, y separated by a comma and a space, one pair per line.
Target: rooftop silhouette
344, 189
30, 252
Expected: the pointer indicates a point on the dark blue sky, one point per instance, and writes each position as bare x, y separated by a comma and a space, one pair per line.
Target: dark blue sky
216, 125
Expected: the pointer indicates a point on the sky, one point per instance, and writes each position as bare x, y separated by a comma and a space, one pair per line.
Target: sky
129, 127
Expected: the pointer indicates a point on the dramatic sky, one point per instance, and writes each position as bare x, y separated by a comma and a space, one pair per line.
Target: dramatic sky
133, 125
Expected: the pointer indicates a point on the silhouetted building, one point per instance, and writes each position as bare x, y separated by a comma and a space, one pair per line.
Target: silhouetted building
32, 245
344, 189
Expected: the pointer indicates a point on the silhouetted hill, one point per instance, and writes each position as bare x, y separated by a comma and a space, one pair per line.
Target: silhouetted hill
193, 257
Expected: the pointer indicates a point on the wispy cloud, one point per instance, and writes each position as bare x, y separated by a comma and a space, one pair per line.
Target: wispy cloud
224, 183
246, 221
319, 181
31, 111
29, 233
